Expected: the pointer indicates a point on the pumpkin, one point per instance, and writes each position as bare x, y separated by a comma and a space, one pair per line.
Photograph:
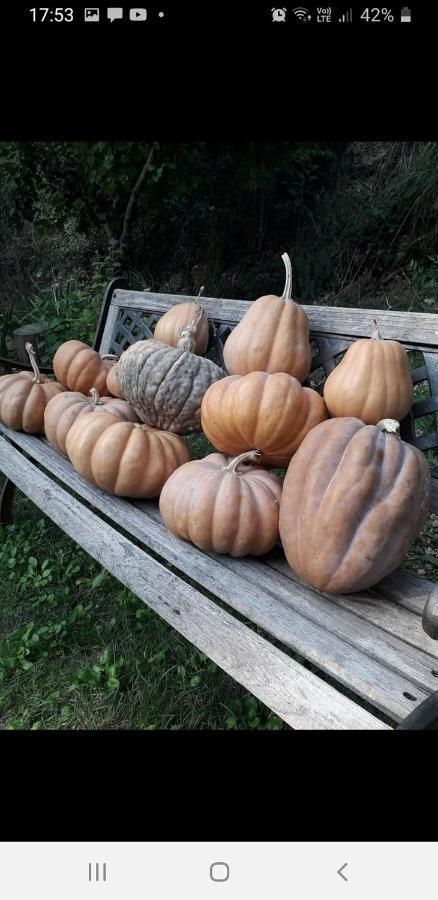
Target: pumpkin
64, 409
354, 499
165, 385
180, 317
24, 396
124, 458
222, 505
269, 413
112, 384
372, 381
80, 368
272, 336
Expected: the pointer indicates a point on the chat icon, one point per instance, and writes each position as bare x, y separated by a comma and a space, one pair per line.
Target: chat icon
114, 13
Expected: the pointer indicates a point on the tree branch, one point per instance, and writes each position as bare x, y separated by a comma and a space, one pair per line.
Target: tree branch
126, 231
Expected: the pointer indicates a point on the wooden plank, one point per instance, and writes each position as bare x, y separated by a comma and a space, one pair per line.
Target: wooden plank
111, 320
382, 612
380, 669
411, 329
406, 589
294, 693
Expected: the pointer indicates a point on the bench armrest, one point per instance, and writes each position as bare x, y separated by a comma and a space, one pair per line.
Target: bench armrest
424, 717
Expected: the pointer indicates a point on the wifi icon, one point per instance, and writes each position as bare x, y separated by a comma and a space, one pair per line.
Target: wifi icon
301, 14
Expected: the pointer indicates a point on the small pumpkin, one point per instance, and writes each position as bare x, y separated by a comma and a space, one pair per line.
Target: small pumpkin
269, 413
165, 385
372, 381
112, 383
64, 409
354, 499
272, 336
80, 368
179, 317
24, 397
124, 458
222, 505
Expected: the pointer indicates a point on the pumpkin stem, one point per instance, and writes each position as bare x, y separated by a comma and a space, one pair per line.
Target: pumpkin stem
201, 291
376, 336
389, 426
249, 456
32, 357
110, 356
287, 293
187, 335
95, 399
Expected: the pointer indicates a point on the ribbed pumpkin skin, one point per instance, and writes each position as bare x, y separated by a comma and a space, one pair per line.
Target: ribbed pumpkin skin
22, 403
80, 368
225, 512
165, 385
112, 384
270, 413
372, 382
273, 336
62, 411
354, 499
124, 458
167, 329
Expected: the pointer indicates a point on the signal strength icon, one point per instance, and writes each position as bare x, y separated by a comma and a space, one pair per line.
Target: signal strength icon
347, 16
301, 14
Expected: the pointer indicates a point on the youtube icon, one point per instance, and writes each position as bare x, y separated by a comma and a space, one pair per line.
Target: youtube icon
137, 15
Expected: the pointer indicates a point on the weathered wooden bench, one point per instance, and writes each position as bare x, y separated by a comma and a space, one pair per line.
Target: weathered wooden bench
318, 661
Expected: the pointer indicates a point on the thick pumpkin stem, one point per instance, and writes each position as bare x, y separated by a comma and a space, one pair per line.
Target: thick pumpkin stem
187, 335
32, 358
287, 293
95, 399
110, 356
376, 336
389, 426
201, 291
249, 456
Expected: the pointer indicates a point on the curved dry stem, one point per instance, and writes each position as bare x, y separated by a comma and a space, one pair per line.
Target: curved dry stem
287, 293
187, 335
376, 336
95, 398
249, 456
110, 356
32, 359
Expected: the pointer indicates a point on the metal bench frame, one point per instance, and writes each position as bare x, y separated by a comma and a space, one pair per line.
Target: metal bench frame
318, 661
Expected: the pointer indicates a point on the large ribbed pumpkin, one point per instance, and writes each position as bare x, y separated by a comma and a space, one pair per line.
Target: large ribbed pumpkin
64, 409
272, 336
372, 381
223, 505
24, 397
80, 368
165, 385
124, 458
180, 317
354, 499
269, 413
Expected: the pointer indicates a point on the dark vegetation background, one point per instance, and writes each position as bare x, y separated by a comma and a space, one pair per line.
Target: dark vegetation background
360, 222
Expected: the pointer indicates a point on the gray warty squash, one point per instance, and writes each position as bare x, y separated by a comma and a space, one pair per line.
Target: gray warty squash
354, 499
165, 385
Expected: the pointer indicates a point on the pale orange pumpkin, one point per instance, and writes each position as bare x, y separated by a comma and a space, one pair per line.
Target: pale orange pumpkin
112, 383
372, 381
24, 397
124, 458
80, 368
222, 505
63, 410
269, 413
272, 336
180, 317
354, 499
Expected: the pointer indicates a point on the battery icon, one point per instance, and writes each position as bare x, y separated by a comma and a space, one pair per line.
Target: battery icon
406, 14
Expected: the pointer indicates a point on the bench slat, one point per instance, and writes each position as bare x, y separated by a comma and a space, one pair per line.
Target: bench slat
378, 667
290, 690
410, 328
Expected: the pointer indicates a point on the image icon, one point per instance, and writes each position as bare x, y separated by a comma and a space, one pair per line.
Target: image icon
91, 14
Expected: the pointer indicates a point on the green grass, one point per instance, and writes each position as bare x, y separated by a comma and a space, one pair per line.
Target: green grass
78, 651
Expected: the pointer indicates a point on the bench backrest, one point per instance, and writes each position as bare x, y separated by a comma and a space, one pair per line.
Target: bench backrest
130, 316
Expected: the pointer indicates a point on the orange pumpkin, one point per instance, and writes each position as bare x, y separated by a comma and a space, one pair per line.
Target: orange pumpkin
112, 383
24, 397
180, 317
354, 499
124, 458
222, 505
372, 381
64, 409
80, 368
273, 336
270, 413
